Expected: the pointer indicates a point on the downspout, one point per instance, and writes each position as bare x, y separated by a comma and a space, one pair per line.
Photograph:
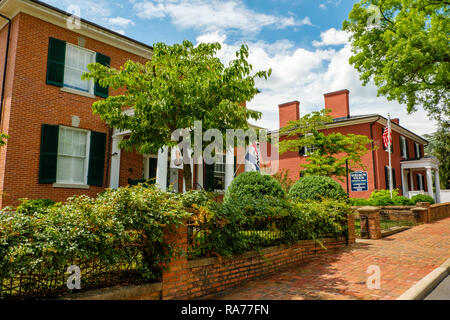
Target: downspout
373, 155
4, 69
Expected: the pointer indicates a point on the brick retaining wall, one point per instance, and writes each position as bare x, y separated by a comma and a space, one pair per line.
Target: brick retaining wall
191, 279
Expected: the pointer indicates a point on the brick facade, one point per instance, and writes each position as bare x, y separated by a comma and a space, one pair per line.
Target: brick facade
374, 161
30, 102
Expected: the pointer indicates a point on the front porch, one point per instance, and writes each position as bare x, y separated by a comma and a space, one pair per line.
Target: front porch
417, 177
166, 173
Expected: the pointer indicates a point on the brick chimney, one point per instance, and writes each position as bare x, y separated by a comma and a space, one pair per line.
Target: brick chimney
338, 103
288, 111
396, 120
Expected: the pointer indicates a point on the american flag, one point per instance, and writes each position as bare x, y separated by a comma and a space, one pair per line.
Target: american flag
386, 137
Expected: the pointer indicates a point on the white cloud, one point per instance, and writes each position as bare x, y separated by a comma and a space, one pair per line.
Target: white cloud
322, 6
121, 22
214, 15
332, 37
305, 75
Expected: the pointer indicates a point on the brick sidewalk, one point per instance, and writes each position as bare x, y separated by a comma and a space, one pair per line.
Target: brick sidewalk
403, 258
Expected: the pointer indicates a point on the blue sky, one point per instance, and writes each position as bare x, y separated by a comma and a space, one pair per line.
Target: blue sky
301, 40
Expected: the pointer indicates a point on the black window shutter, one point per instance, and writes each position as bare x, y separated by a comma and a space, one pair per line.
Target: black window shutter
415, 151
407, 148
49, 153
55, 62
394, 182
99, 90
386, 176
97, 158
208, 183
302, 151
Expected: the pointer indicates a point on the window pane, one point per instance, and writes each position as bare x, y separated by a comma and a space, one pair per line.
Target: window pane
76, 63
71, 166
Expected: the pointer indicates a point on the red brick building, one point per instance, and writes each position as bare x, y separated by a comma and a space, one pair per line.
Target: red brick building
412, 172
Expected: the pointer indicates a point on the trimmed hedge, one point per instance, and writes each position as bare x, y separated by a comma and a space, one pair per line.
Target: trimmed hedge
317, 188
254, 184
422, 198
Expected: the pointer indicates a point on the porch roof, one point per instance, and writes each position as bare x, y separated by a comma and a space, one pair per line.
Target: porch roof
425, 162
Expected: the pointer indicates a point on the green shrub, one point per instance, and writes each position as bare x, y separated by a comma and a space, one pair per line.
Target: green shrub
383, 197
33, 206
359, 202
125, 224
254, 184
195, 197
317, 188
422, 198
402, 201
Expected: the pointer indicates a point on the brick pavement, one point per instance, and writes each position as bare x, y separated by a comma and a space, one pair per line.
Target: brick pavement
403, 258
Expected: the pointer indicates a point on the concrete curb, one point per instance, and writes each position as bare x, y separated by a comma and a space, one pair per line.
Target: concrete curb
422, 288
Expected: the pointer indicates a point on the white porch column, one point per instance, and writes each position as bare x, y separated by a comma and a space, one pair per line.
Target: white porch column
430, 182
404, 182
438, 186
115, 163
161, 170
229, 167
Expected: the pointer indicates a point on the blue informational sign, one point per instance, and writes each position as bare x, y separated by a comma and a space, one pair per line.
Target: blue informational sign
358, 181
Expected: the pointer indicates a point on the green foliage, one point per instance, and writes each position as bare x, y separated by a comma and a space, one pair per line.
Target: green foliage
317, 188
359, 202
195, 197
422, 198
439, 147
254, 184
33, 206
249, 223
383, 197
283, 178
119, 225
402, 201
3, 137
407, 54
324, 160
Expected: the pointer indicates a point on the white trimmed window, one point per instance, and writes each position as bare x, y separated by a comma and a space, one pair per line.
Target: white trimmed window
73, 156
417, 147
76, 62
219, 175
403, 147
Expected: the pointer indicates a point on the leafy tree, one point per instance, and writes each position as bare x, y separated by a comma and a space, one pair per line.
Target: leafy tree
181, 84
328, 152
3, 137
403, 46
439, 147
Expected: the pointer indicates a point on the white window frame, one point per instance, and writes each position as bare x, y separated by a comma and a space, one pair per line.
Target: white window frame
417, 147
86, 161
90, 81
214, 173
403, 148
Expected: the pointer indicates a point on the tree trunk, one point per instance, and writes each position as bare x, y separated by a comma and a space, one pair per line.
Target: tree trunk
187, 173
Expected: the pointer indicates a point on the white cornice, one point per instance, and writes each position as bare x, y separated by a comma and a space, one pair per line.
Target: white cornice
11, 8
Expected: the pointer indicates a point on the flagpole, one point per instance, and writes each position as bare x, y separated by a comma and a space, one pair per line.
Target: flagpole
390, 143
